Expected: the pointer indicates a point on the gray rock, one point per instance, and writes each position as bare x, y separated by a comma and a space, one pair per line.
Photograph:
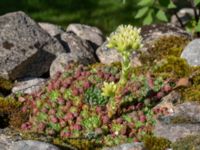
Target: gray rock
174, 132
52, 29
79, 51
188, 110
60, 62
110, 55
32, 145
11, 139
5, 141
183, 122
128, 146
107, 55
168, 102
89, 33
29, 85
7, 137
25, 48
185, 15
192, 53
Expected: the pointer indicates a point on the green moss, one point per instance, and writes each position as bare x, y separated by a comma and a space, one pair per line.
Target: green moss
191, 142
181, 119
155, 143
164, 46
195, 75
191, 93
5, 84
10, 110
163, 58
79, 144
172, 66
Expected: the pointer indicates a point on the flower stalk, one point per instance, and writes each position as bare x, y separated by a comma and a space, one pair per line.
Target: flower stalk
126, 40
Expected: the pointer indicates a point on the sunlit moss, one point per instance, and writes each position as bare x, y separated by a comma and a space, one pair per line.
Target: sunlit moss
191, 142
5, 84
11, 109
155, 143
172, 66
191, 93
164, 46
181, 119
80, 144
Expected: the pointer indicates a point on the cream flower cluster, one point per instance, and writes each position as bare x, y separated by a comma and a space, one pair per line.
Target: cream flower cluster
109, 89
125, 38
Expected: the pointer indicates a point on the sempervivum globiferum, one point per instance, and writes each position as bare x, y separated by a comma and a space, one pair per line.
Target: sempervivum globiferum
74, 106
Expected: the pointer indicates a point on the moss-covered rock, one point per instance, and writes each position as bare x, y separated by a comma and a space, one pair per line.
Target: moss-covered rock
192, 92
187, 143
155, 143
5, 86
172, 66
164, 46
10, 112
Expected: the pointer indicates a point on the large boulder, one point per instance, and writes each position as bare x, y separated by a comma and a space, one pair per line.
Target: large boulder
151, 34
79, 51
25, 48
192, 53
89, 33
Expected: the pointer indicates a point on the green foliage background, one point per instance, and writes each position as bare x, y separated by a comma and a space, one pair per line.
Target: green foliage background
105, 14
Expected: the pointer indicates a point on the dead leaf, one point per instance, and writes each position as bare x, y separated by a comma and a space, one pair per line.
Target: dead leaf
183, 82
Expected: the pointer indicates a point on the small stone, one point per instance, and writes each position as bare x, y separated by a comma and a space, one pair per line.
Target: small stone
192, 53
29, 85
52, 29
185, 15
88, 33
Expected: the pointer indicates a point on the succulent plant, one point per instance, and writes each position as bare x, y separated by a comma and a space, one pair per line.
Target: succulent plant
93, 96
87, 102
92, 122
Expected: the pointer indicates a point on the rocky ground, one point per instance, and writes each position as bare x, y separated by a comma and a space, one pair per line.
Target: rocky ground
32, 53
